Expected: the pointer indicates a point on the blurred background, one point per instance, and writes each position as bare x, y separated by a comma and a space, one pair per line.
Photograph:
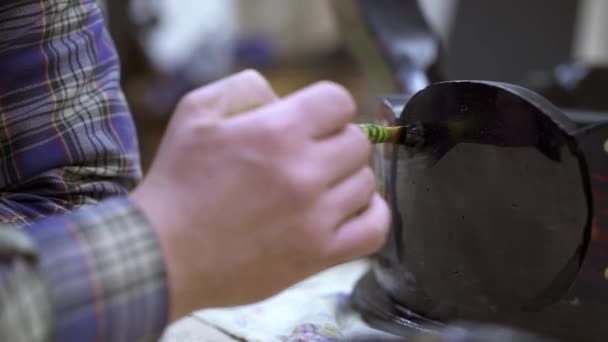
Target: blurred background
168, 47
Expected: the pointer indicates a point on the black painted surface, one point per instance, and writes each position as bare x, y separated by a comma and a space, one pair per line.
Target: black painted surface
502, 210
492, 218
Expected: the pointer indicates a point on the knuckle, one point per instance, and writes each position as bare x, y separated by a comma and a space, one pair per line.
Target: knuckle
252, 76
369, 181
189, 100
356, 146
380, 228
359, 141
306, 183
256, 83
366, 150
302, 185
339, 96
205, 99
336, 91
272, 132
250, 81
298, 106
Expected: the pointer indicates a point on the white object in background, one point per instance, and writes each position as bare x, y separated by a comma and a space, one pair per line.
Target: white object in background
193, 33
440, 15
591, 39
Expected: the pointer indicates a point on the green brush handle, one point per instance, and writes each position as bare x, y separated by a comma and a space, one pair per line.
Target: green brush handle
378, 134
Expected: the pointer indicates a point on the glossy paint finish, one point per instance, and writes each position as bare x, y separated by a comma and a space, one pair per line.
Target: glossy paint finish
500, 217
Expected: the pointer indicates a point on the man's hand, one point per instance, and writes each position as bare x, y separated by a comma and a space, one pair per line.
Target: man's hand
250, 193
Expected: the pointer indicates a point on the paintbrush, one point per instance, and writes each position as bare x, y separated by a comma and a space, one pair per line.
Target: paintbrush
408, 135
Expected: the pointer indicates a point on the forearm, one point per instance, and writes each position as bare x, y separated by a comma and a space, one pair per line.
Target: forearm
67, 135
95, 274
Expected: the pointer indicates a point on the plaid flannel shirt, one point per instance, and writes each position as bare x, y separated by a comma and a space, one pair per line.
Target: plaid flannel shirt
78, 261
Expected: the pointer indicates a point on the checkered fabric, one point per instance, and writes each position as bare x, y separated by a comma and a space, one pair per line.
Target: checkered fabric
78, 261
66, 135
104, 274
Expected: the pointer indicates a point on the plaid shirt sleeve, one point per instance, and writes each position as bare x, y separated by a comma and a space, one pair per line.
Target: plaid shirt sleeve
78, 261
66, 137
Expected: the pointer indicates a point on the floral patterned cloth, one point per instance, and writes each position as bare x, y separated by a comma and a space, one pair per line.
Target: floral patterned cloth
315, 310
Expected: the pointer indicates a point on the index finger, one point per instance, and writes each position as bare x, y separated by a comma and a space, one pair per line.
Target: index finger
319, 110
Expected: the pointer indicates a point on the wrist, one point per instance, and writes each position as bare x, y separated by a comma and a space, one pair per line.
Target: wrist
168, 237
